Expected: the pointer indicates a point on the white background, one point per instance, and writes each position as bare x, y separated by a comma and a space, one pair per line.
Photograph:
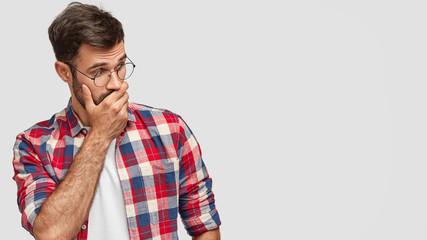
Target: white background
311, 114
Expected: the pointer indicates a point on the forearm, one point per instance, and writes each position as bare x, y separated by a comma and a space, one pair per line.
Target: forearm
64, 211
209, 235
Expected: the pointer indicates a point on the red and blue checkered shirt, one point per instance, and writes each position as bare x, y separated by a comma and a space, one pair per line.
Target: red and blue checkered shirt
159, 164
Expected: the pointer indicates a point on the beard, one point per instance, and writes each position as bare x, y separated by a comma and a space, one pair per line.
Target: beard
78, 92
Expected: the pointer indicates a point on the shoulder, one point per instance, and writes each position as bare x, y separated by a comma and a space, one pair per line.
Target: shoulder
152, 116
44, 129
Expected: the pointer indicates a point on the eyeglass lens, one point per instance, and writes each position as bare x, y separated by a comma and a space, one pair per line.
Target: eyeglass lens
124, 72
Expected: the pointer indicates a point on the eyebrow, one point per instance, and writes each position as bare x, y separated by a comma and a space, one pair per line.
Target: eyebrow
104, 63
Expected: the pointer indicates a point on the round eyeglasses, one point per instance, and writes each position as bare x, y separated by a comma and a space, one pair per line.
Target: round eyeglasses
103, 76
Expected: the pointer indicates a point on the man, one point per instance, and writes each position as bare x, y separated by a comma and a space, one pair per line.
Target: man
104, 168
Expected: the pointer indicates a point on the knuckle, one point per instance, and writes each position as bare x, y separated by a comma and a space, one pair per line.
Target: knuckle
124, 114
107, 103
117, 108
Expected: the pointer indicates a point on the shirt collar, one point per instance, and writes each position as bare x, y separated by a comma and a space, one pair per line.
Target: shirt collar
75, 125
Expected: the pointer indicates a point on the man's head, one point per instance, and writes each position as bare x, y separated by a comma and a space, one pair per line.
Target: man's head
81, 23
85, 40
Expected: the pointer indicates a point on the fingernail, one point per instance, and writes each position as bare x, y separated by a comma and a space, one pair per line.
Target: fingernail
85, 90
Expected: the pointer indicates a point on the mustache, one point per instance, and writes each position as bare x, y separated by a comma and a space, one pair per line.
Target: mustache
103, 96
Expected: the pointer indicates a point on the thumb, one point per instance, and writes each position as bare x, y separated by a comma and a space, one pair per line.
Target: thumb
87, 96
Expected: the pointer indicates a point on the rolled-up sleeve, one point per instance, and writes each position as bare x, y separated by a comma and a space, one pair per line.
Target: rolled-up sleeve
196, 199
33, 182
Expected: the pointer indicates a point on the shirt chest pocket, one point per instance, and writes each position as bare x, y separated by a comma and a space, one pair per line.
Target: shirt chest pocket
160, 181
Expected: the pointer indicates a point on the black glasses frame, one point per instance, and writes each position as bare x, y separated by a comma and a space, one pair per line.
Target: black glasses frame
111, 72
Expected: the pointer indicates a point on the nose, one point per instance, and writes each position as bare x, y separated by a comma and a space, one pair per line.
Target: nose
115, 82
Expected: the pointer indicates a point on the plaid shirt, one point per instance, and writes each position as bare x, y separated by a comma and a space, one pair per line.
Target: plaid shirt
158, 161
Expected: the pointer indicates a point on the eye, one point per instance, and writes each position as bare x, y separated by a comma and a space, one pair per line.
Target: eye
120, 66
98, 72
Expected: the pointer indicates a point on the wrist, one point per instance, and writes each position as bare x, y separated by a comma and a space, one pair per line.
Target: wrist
98, 139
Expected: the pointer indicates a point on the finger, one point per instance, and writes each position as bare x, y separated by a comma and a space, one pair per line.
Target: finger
124, 106
121, 103
124, 99
87, 97
116, 95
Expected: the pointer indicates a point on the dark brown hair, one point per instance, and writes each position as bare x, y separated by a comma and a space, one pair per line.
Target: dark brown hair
81, 23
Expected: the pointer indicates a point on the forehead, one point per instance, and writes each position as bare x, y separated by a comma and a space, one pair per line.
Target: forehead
89, 54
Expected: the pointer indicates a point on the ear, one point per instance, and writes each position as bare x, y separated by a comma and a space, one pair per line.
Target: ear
64, 71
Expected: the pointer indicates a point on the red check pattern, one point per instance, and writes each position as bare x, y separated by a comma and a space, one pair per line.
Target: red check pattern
159, 164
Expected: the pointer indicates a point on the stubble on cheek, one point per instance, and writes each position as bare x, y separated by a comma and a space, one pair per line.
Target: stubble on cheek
78, 91
102, 97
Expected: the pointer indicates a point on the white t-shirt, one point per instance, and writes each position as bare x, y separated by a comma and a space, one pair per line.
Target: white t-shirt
107, 216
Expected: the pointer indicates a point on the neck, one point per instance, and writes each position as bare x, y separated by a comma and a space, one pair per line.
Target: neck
80, 111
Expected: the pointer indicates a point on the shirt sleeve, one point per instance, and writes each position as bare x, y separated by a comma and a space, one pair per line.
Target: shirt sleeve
196, 199
33, 182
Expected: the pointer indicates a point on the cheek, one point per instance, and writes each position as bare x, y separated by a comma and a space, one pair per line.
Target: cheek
77, 87
78, 91
98, 95
102, 96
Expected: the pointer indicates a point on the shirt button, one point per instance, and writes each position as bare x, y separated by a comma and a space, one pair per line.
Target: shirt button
84, 227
